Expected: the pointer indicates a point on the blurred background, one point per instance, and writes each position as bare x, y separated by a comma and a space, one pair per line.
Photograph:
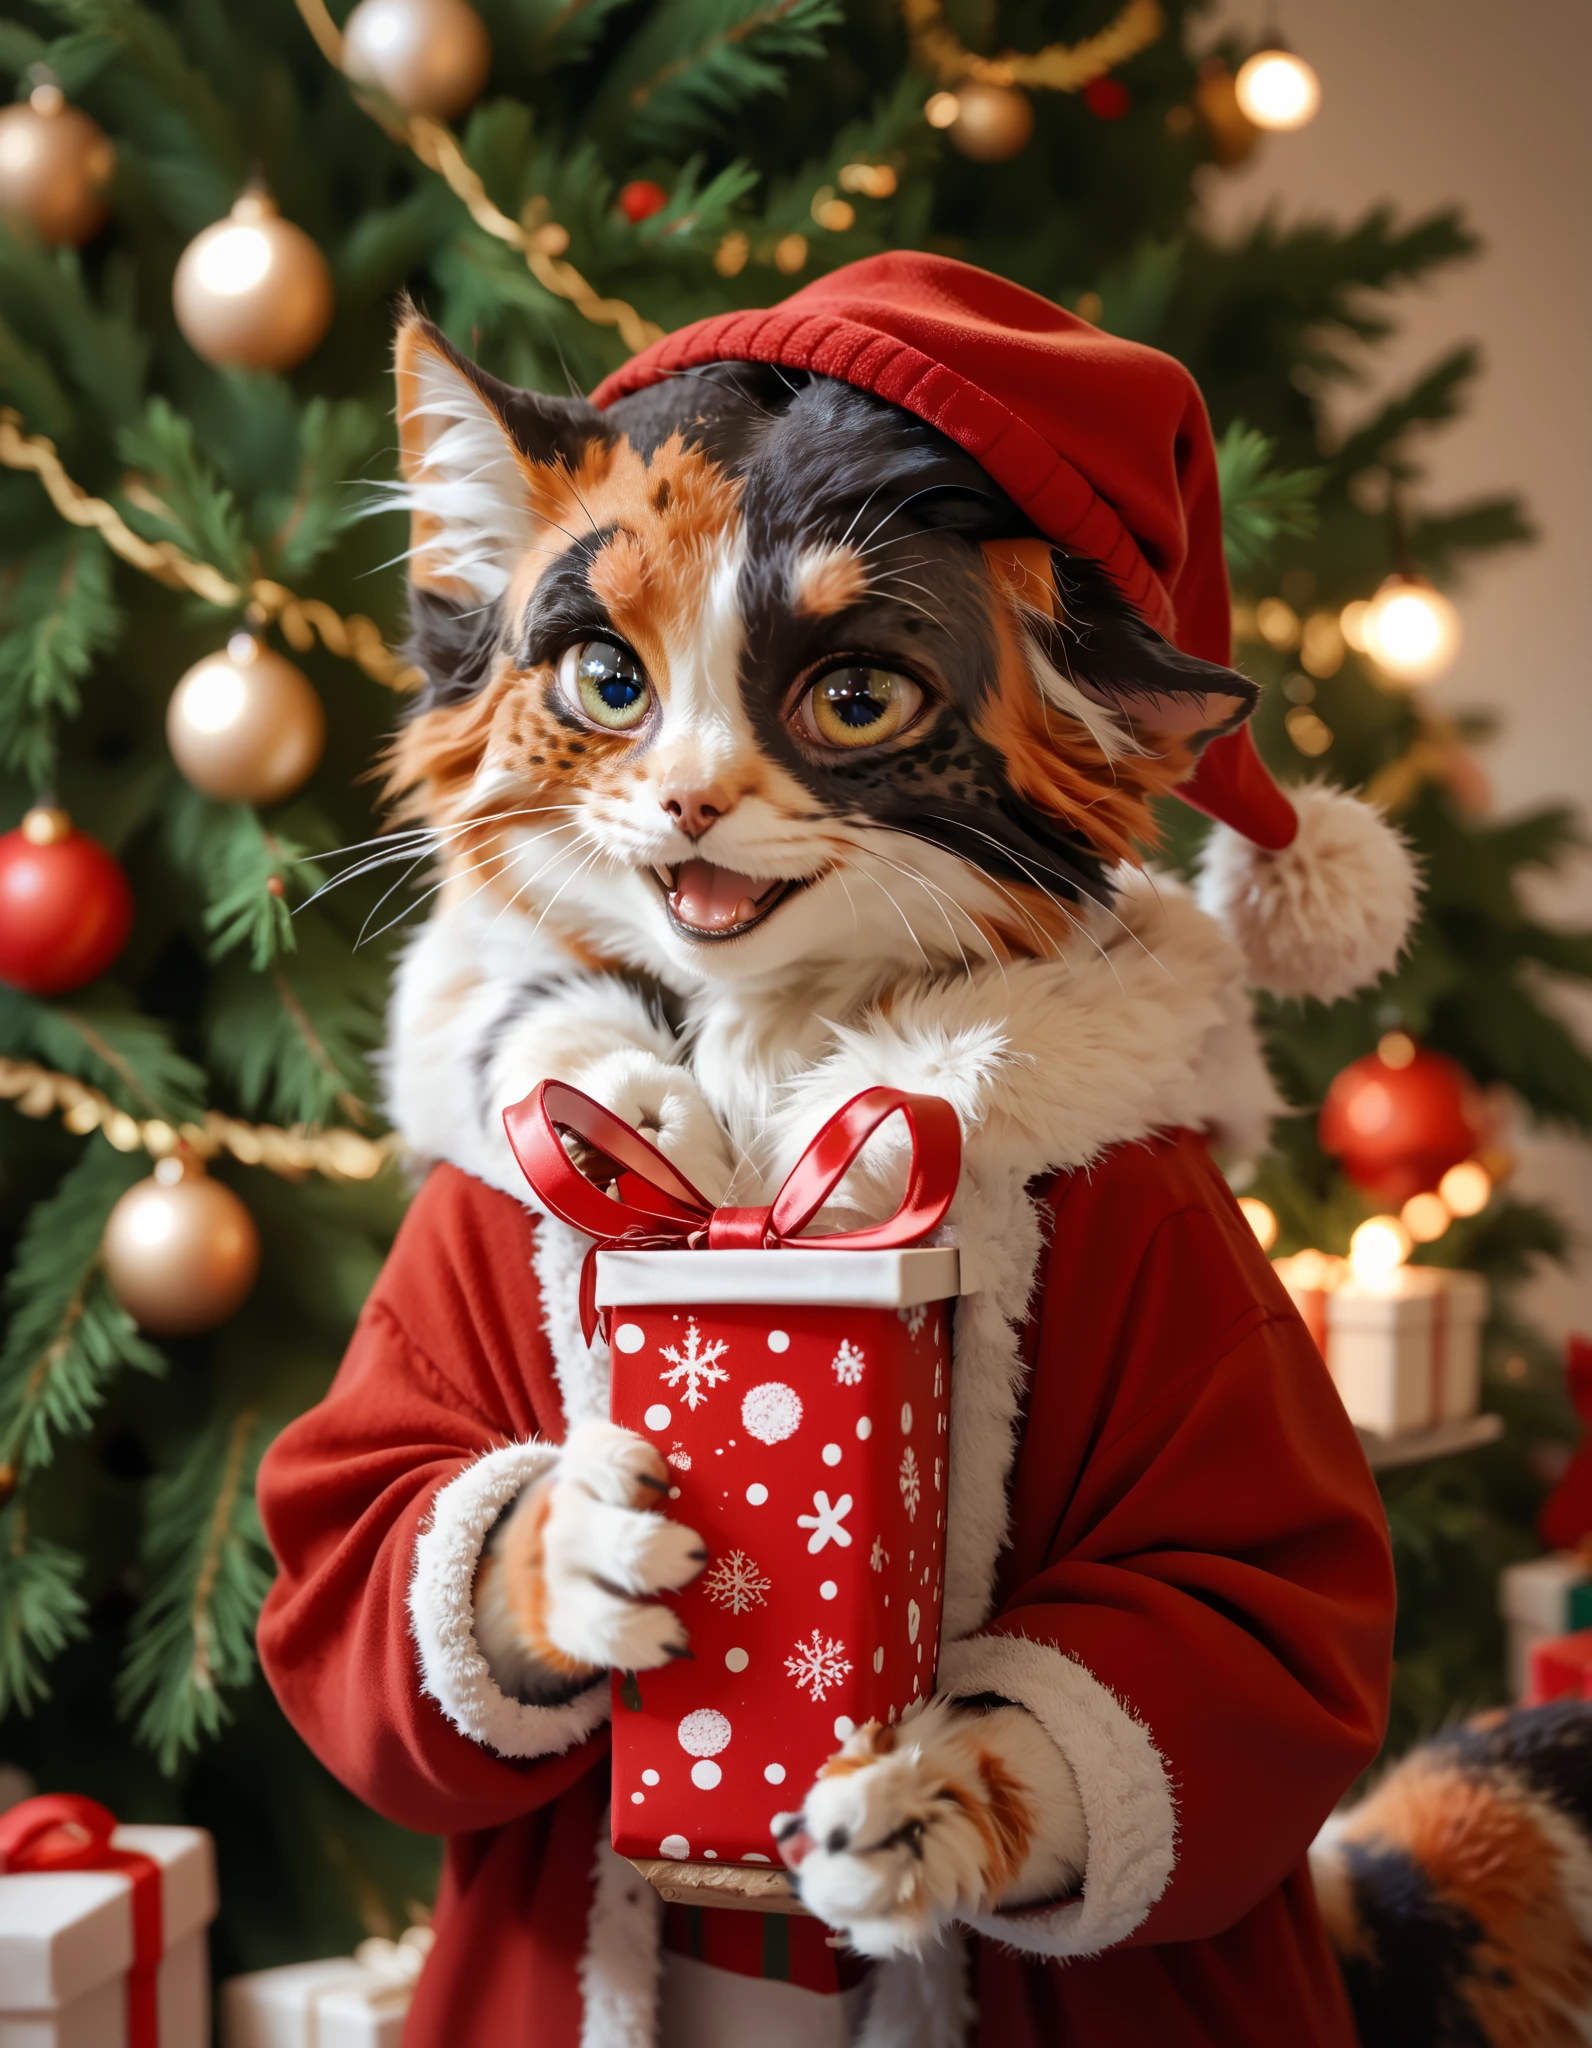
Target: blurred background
1364, 229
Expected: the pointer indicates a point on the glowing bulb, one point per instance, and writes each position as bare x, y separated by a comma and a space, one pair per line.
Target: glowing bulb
1411, 630
1378, 1248
1466, 1188
1395, 1048
232, 258
941, 109
1425, 1217
1276, 89
1351, 623
1261, 1219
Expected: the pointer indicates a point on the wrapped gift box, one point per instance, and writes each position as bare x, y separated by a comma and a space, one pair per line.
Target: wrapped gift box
357, 2001
798, 1386
1546, 1597
1404, 1351
66, 1946
1559, 1667
807, 1442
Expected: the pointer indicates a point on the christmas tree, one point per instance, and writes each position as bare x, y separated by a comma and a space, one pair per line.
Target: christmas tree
174, 476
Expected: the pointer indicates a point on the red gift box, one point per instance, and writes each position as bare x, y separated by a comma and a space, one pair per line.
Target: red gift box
1560, 1668
799, 1388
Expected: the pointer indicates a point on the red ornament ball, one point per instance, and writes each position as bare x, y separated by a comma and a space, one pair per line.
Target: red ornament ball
65, 907
1400, 1118
1108, 99
641, 199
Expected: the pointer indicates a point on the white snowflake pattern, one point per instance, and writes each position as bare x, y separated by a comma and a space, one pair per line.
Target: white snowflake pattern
736, 1584
937, 1471
910, 1483
698, 1368
818, 1664
878, 1557
914, 1317
679, 1457
939, 1379
825, 1522
847, 1363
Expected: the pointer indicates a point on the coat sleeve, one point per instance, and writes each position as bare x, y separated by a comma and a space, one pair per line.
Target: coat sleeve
377, 1503
1198, 1603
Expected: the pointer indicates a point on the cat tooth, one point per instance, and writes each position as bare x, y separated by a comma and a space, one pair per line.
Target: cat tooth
745, 910
664, 875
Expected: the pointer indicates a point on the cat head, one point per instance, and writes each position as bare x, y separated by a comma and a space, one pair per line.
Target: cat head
755, 669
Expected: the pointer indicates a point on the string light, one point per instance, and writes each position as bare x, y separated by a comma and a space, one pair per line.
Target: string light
1378, 1248
1466, 1188
1410, 630
1261, 1218
1425, 1217
941, 109
1278, 90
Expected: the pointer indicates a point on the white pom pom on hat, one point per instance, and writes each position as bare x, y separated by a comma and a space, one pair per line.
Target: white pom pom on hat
1320, 909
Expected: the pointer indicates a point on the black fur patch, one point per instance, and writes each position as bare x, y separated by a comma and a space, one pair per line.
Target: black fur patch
1423, 1947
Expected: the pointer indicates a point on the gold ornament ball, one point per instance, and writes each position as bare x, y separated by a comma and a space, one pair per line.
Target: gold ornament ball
427, 56
245, 725
993, 122
253, 291
55, 167
181, 1251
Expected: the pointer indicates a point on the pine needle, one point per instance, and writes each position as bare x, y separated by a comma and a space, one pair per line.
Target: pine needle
1259, 503
41, 1610
209, 1567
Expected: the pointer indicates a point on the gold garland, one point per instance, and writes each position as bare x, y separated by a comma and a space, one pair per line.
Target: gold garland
340, 1155
1058, 67
355, 638
539, 239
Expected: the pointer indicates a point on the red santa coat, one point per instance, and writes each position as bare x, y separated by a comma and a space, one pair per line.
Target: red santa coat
1195, 1596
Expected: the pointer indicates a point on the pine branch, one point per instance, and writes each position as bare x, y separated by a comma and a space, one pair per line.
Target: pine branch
1260, 503
179, 498
209, 1568
1437, 396
242, 872
48, 305
333, 441
31, 385
694, 63
293, 1042
41, 1610
57, 612
69, 1337
104, 1040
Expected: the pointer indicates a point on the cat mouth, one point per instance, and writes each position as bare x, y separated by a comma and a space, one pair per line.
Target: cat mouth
710, 903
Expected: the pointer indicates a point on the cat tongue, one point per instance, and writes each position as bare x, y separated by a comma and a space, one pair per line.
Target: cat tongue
714, 899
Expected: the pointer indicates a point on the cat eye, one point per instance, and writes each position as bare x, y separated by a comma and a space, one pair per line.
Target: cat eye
858, 706
607, 684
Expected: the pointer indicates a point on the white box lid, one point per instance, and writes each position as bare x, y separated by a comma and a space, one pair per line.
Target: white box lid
1535, 1592
1408, 1296
64, 1931
898, 1279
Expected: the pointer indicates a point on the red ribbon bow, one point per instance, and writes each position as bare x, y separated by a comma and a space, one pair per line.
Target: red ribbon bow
62, 1831
655, 1205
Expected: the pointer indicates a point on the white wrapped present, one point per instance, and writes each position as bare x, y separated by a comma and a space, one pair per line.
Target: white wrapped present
1545, 1597
69, 1938
357, 2001
1404, 1350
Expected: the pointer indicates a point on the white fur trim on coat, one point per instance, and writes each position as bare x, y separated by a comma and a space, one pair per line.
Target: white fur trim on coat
1122, 1781
442, 1615
620, 1966
1323, 916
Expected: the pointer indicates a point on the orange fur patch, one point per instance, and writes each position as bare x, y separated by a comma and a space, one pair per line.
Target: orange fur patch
522, 1558
826, 579
1479, 1846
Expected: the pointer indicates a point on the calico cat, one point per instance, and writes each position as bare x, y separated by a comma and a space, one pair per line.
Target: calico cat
764, 666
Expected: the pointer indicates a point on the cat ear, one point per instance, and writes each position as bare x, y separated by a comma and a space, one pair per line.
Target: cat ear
470, 448
1096, 644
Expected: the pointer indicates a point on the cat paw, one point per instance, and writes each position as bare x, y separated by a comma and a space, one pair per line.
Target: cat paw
666, 1106
888, 1845
584, 1554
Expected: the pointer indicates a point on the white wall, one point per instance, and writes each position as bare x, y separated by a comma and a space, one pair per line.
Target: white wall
1426, 102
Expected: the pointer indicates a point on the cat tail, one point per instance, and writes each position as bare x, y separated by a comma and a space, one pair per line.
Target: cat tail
1458, 1893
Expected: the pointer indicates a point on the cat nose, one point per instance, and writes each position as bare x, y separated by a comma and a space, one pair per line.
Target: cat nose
694, 810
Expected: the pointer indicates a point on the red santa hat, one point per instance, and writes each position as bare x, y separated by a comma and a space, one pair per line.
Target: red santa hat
1105, 445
